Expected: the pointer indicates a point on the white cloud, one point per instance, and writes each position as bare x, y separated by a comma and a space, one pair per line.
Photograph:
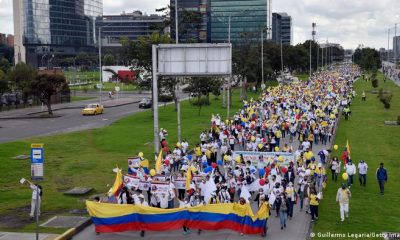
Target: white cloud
349, 22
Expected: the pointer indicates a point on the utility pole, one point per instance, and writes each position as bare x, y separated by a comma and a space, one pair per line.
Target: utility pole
178, 104
229, 78
313, 38
281, 58
100, 67
262, 59
395, 46
388, 49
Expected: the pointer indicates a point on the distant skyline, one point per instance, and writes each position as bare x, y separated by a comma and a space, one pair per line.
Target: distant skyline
347, 22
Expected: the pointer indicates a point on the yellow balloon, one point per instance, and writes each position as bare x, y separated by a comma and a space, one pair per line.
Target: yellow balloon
238, 159
336, 147
178, 144
253, 122
253, 138
280, 159
345, 176
140, 154
260, 145
226, 157
152, 172
276, 149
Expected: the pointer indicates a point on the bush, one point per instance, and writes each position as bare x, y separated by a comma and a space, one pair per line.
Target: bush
386, 99
165, 98
85, 89
374, 82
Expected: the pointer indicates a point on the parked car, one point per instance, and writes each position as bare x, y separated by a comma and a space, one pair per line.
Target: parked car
93, 109
146, 103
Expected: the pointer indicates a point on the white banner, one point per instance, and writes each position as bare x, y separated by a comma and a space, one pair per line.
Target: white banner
157, 187
131, 181
180, 183
268, 157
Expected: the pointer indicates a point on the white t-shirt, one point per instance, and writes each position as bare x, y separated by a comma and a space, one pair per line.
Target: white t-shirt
362, 168
163, 200
34, 193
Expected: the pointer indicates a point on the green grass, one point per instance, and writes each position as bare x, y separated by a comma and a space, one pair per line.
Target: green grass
81, 76
302, 76
87, 158
373, 142
108, 86
78, 98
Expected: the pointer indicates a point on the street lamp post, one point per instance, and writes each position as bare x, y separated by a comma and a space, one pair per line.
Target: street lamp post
178, 105
100, 64
395, 46
262, 59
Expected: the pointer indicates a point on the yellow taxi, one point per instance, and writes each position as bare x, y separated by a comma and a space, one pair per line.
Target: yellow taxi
93, 109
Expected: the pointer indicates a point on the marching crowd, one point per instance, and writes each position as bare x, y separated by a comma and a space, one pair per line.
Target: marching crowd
302, 114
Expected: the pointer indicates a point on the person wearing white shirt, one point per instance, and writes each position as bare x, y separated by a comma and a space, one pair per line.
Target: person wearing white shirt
142, 202
362, 172
163, 199
351, 171
36, 199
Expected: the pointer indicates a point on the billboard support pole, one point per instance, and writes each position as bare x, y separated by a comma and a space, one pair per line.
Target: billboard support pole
155, 100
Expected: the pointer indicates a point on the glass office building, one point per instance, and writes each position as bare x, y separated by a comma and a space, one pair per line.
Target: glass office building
189, 30
247, 19
54, 27
282, 28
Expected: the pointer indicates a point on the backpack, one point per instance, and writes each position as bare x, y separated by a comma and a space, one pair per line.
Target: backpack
41, 190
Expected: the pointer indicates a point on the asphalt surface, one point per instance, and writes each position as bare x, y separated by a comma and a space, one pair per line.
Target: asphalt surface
70, 119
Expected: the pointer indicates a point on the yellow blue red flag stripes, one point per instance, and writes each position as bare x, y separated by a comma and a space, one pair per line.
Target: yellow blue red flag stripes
125, 217
117, 184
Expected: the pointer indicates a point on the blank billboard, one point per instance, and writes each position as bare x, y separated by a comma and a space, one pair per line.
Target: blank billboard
194, 59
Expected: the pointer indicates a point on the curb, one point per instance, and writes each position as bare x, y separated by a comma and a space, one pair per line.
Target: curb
73, 231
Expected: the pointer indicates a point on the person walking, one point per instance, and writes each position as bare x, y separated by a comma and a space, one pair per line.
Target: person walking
314, 202
334, 168
362, 172
343, 197
283, 210
363, 96
381, 175
351, 171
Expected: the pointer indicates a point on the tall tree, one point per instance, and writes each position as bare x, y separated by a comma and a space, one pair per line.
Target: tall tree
21, 77
46, 85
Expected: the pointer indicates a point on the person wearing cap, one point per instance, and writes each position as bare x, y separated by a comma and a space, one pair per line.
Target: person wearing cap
381, 175
343, 197
142, 201
320, 176
362, 172
351, 171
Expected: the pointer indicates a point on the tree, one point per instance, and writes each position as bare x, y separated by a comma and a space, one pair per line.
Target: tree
109, 60
46, 85
21, 77
367, 58
3, 83
5, 65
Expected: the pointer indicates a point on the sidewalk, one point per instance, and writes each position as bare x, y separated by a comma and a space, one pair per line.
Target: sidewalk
26, 236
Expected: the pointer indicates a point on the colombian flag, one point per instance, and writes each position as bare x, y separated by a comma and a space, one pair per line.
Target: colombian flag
109, 217
158, 162
348, 148
117, 184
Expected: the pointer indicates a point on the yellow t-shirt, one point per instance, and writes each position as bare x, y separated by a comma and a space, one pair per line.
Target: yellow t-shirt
313, 200
197, 151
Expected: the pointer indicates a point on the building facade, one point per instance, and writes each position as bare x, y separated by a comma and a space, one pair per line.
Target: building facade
193, 19
130, 25
282, 28
45, 28
239, 20
396, 47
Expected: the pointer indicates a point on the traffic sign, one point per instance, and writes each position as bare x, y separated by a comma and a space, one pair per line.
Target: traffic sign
117, 89
37, 159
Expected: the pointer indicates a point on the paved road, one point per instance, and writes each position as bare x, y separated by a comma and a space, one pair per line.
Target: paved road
70, 120
297, 228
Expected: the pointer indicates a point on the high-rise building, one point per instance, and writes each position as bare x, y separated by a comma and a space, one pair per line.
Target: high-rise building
239, 20
193, 21
3, 38
282, 28
10, 40
130, 25
45, 28
396, 47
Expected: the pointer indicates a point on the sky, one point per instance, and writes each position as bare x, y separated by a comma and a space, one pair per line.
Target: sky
348, 22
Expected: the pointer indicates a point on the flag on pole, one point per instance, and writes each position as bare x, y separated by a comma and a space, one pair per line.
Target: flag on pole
348, 148
158, 162
117, 184
188, 178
